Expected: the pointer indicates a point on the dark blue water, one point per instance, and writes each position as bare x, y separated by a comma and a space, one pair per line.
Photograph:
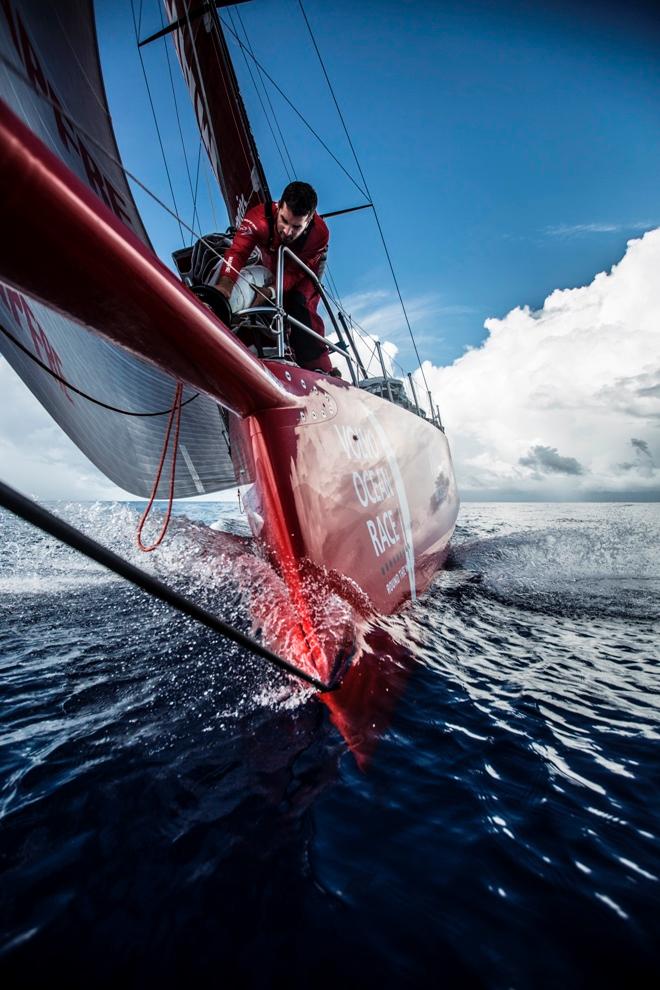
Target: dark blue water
171, 811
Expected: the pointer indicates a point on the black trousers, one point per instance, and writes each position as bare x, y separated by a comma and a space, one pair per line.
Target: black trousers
304, 347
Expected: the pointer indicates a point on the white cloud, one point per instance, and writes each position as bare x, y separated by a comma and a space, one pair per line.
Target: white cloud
574, 229
36, 456
380, 315
564, 402
377, 315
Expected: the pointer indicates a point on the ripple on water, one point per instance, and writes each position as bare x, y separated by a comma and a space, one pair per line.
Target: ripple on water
481, 802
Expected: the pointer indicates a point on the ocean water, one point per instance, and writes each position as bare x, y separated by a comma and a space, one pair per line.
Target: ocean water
479, 807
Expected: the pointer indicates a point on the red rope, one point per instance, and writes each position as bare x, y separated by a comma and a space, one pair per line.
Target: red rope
175, 412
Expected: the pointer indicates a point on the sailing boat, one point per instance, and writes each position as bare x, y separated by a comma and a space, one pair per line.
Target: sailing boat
350, 491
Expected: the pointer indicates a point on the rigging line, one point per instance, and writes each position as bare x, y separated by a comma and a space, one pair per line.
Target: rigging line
138, 182
153, 111
295, 109
49, 523
337, 301
270, 126
84, 395
267, 94
209, 190
200, 78
241, 125
195, 212
97, 144
178, 119
332, 93
333, 285
364, 336
368, 196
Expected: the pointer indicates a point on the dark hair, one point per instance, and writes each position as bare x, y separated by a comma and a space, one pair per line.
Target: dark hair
300, 198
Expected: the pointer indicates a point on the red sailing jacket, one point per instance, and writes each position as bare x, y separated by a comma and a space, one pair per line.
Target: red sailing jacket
254, 232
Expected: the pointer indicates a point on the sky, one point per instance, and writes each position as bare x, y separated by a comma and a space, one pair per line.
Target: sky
512, 155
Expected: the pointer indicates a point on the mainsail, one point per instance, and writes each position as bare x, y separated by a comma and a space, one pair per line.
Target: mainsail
221, 116
119, 407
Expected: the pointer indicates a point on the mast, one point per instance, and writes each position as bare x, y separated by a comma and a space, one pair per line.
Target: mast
221, 117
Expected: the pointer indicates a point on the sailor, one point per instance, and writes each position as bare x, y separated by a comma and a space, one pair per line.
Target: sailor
292, 221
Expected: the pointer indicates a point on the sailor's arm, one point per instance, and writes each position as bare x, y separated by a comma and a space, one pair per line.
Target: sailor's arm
236, 256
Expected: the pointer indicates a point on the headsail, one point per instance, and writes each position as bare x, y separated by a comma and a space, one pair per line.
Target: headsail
221, 116
58, 92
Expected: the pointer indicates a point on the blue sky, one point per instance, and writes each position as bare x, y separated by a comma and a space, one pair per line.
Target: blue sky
511, 149
513, 153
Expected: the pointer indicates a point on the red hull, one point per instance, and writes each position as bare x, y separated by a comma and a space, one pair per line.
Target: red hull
352, 484
347, 485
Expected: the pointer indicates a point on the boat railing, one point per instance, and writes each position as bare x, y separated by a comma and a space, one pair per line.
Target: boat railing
386, 386
342, 347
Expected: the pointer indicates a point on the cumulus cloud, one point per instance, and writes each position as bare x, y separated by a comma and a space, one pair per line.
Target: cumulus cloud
548, 404
561, 402
547, 460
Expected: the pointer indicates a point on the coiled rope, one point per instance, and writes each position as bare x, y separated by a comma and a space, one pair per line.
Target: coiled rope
175, 417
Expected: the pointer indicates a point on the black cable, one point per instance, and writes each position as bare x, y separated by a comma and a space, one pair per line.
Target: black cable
270, 126
178, 121
51, 524
153, 112
195, 213
83, 395
294, 108
368, 193
270, 104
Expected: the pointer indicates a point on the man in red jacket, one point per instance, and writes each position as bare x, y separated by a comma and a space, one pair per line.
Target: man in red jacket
292, 221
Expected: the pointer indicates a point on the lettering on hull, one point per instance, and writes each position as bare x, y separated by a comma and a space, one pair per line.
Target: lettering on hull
387, 527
